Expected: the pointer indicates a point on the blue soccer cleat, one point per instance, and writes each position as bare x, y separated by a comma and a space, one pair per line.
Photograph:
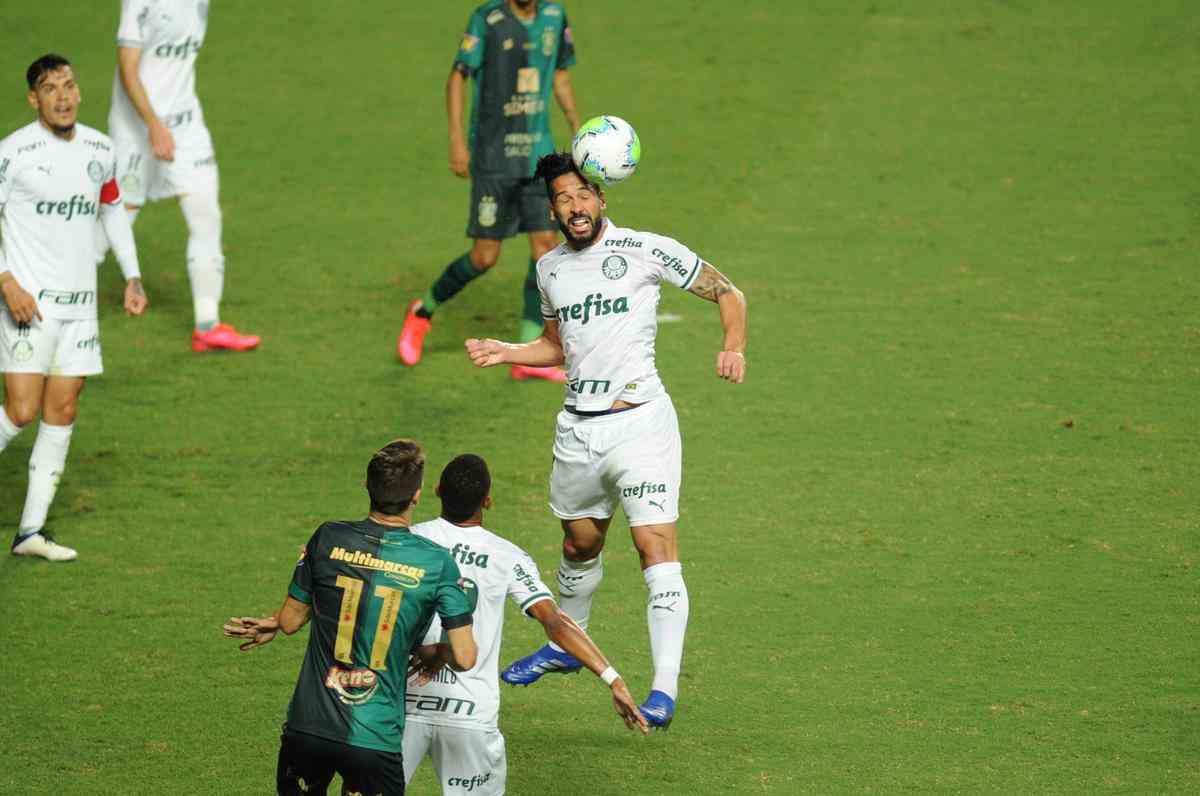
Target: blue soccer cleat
546, 660
658, 709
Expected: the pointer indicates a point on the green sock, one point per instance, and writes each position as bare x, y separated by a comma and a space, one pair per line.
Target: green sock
531, 311
453, 279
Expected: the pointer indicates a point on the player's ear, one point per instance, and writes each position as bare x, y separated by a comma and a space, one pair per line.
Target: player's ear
416, 498
33, 103
487, 502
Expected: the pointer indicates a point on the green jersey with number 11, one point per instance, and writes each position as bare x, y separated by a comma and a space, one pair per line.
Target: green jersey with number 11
373, 590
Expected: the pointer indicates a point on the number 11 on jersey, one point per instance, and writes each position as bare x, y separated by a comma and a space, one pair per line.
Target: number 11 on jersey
351, 594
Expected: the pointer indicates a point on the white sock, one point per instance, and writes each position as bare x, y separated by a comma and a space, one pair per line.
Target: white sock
46, 464
205, 262
577, 582
667, 617
8, 429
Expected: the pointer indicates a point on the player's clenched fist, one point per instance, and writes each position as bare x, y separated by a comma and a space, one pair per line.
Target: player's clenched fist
485, 353
21, 304
731, 366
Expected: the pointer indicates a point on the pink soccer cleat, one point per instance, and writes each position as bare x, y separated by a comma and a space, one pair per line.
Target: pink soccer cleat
223, 336
412, 337
554, 374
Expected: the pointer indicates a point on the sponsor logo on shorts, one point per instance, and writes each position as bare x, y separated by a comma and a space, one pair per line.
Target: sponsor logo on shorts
77, 206
68, 298
614, 266
211, 160
351, 686
643, 489
95, 170
22, 351
178, 119
477, 781
90, 344
487, 211
184, 49
435, 704
594, 305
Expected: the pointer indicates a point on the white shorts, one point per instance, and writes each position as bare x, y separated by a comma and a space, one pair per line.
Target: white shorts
144, 177
466, 761
634, 458
50, 346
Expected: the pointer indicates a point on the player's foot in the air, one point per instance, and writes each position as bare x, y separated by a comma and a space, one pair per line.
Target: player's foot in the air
658, 709
223, 337
546, 660
412, 336
554, 374
39, 544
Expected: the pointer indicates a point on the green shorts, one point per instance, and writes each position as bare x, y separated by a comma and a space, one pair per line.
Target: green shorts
502, 207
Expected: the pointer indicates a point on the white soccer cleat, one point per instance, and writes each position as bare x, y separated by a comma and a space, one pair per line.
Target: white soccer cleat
39, 544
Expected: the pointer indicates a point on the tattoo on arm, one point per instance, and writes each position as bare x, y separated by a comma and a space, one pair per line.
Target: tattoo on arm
136, 284
711, 284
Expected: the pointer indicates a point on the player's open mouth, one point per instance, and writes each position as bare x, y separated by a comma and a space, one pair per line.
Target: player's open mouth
581, 224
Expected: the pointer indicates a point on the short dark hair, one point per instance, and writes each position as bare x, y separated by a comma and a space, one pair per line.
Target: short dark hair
556, 164
464, 486
394, 476
42, 67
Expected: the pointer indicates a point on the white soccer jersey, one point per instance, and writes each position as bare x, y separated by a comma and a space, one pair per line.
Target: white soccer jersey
50, 196
498, 568
169, 33
605, 299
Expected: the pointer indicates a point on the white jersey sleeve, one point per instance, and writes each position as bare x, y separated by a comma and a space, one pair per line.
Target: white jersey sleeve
131, 32
672, 261
525, 587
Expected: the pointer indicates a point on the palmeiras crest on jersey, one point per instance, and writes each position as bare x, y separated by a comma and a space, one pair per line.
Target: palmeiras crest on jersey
614, 266
22, 351
487, 211
95, 170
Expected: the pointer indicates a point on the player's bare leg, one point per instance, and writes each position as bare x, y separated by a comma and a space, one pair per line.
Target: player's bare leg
484, 254
666, 615
531, 310
579, 575
57, 398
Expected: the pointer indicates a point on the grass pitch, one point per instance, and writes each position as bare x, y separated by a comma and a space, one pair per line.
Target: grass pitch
943, 539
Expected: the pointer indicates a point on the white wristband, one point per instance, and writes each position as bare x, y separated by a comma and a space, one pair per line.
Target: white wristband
609, 675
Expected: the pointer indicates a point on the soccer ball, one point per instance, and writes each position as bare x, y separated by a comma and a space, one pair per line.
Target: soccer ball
606, 149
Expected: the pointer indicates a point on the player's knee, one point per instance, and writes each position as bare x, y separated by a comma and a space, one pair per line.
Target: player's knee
21, 413
485, 254
582, 549
60, 412
201, 213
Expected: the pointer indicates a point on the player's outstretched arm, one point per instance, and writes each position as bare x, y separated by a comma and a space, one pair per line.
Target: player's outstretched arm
162, 143
463, 651
712, 285
566, 633
542, 352
257, 631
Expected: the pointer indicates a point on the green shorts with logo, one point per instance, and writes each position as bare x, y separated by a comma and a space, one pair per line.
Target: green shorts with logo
502, 207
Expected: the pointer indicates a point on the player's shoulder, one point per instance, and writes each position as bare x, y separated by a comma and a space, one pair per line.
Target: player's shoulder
553, 257
491, 12
19, 141
552, 9
94, 138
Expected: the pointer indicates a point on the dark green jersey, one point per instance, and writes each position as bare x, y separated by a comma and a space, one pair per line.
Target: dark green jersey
512, 64
373, 591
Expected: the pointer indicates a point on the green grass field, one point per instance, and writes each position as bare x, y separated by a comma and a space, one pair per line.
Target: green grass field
944, 539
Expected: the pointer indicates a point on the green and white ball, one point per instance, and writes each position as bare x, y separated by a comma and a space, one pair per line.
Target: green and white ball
606, 149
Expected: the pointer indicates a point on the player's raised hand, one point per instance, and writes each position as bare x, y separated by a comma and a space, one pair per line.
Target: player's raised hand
485, 353
627, 709
21, 303
135, 297
259, 631
162, 143
460, 159
731, 366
